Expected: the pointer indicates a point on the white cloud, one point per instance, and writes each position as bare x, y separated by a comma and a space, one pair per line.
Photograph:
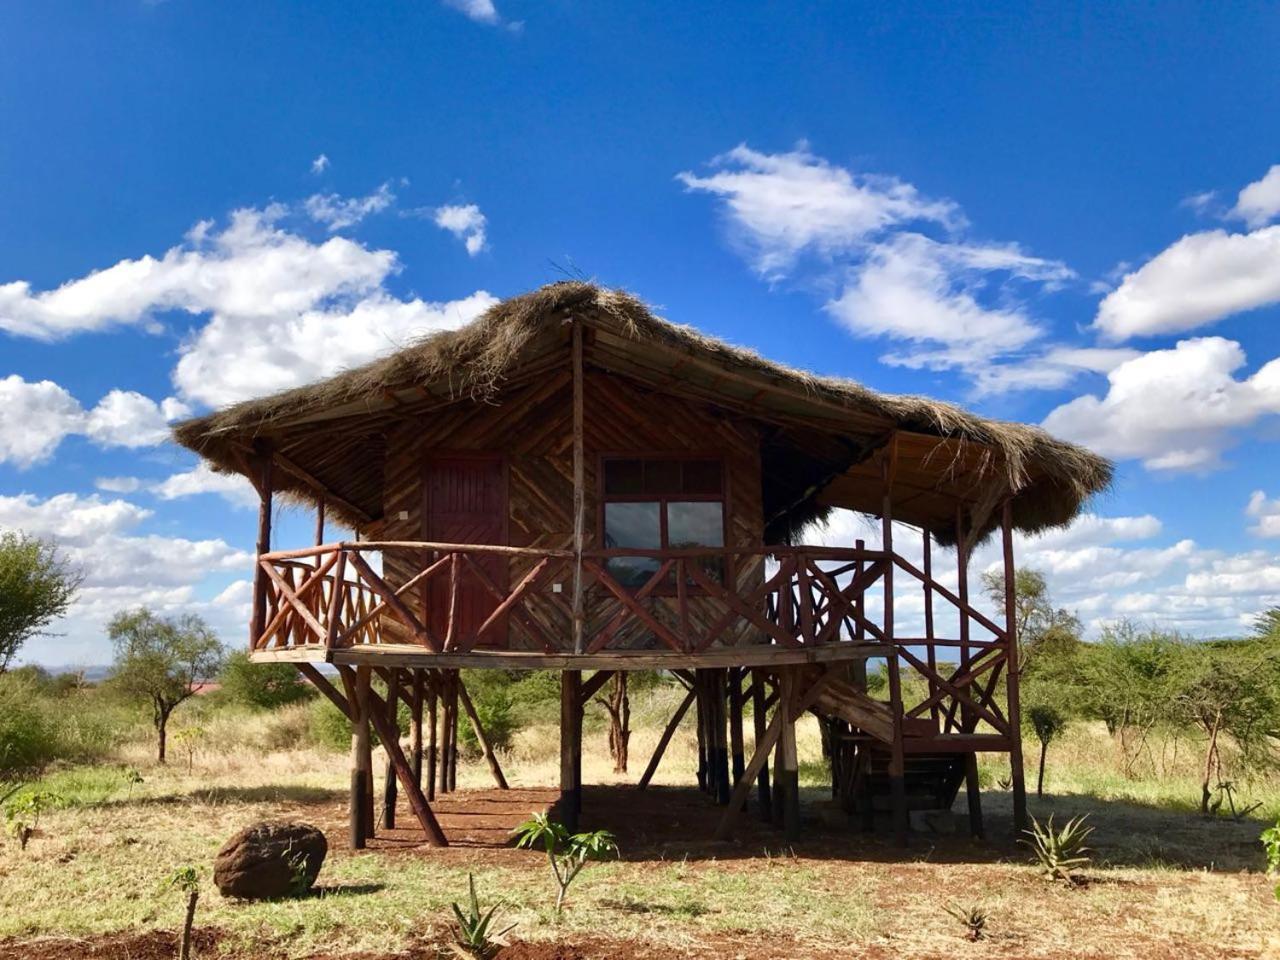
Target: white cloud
1052, 369
337, 212
780, 206
465, 222
251, 269
916, 289
283, 311
1266, 513
124, 568
1196, 281
118, 484
36, 417
237, 356
946, 301
320, 164
202, 479
1173, 409
1259, 202
481, 11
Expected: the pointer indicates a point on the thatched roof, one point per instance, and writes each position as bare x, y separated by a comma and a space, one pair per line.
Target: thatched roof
819, 450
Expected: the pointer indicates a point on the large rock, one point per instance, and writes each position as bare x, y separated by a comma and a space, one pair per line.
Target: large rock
268, 860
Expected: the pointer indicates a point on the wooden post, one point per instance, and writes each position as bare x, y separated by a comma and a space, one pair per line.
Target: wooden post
393, 724
320, 522
790, 773
264, 480
481, 737
415, 727
931, 653
417, 802
719, 698
361, 764
453, 730
433, 729
759, 725
1012, 679
973, 790
571, 747
442, 779
665, 739
579, 486
704, 763
736, 747
897, 751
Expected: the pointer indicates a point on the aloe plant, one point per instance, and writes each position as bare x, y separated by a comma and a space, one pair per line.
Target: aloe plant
973, 917
1059, 852
473, 933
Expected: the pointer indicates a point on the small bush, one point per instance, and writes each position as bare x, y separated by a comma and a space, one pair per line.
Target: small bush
262, 685
327, 728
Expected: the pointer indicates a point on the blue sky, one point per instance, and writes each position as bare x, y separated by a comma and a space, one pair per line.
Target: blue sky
1052, 213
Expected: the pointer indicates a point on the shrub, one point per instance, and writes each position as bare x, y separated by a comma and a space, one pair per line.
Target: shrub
28, 737
1271, 846
264, 685
327, 727
567, 853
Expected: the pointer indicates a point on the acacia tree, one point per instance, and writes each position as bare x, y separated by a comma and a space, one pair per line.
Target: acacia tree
618, 706
1035, 617
160, 660
37, 584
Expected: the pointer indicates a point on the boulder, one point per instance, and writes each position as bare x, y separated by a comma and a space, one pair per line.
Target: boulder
269, 860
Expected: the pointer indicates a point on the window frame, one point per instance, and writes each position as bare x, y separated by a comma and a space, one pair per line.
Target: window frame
663, 499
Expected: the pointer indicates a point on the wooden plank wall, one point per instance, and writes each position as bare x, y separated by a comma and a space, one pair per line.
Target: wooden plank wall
532, 428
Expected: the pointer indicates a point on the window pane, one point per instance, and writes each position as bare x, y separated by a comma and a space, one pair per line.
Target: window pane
701, 476
635, 525
623, 476
699, 524
662, 476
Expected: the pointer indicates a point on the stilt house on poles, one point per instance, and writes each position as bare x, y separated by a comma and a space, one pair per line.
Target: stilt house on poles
571, 483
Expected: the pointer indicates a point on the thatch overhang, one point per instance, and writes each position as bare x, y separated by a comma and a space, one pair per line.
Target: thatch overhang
823, 437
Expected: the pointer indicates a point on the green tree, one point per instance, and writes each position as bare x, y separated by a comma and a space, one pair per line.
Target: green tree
1048, 724
37, 585
265, 685
1035, 618
160, 660
1230, 688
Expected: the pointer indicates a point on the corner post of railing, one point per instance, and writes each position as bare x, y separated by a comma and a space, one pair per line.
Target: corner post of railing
579, 482
1012, 670
897, 755
931, 652
260, 461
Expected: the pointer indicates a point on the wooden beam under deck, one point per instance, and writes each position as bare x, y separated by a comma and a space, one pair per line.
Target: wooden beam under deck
408, 655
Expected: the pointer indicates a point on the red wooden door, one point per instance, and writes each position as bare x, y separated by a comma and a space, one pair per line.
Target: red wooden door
466, 502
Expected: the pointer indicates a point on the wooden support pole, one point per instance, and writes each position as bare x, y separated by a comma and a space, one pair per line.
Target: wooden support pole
393, 724
258, 619
415, 726
433, 732
704, 763
442, 779
719, 719
320, 522
931, 653
973, 789
453, 730
736, 746
417, 802
665, 739
759, 722
481, 737
579, 486
759, 760
357, 684
790, 774
1012, 678
571, 747
897, 752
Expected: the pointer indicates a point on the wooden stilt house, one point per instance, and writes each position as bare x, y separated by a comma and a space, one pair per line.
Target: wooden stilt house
572, 483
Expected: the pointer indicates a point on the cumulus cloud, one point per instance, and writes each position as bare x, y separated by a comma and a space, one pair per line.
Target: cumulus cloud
202, 479
1194, 282
481, 11
124, 568
1265, 514
337, 212
1259, 202
1175, 409
901, 262
320, 164
282, 310
118, 484
36, 417
465, 222
782, 205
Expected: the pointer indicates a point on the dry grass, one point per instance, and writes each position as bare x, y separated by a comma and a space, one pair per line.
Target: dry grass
1166, 883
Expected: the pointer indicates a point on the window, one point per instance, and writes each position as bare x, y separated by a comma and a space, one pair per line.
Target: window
650, 504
